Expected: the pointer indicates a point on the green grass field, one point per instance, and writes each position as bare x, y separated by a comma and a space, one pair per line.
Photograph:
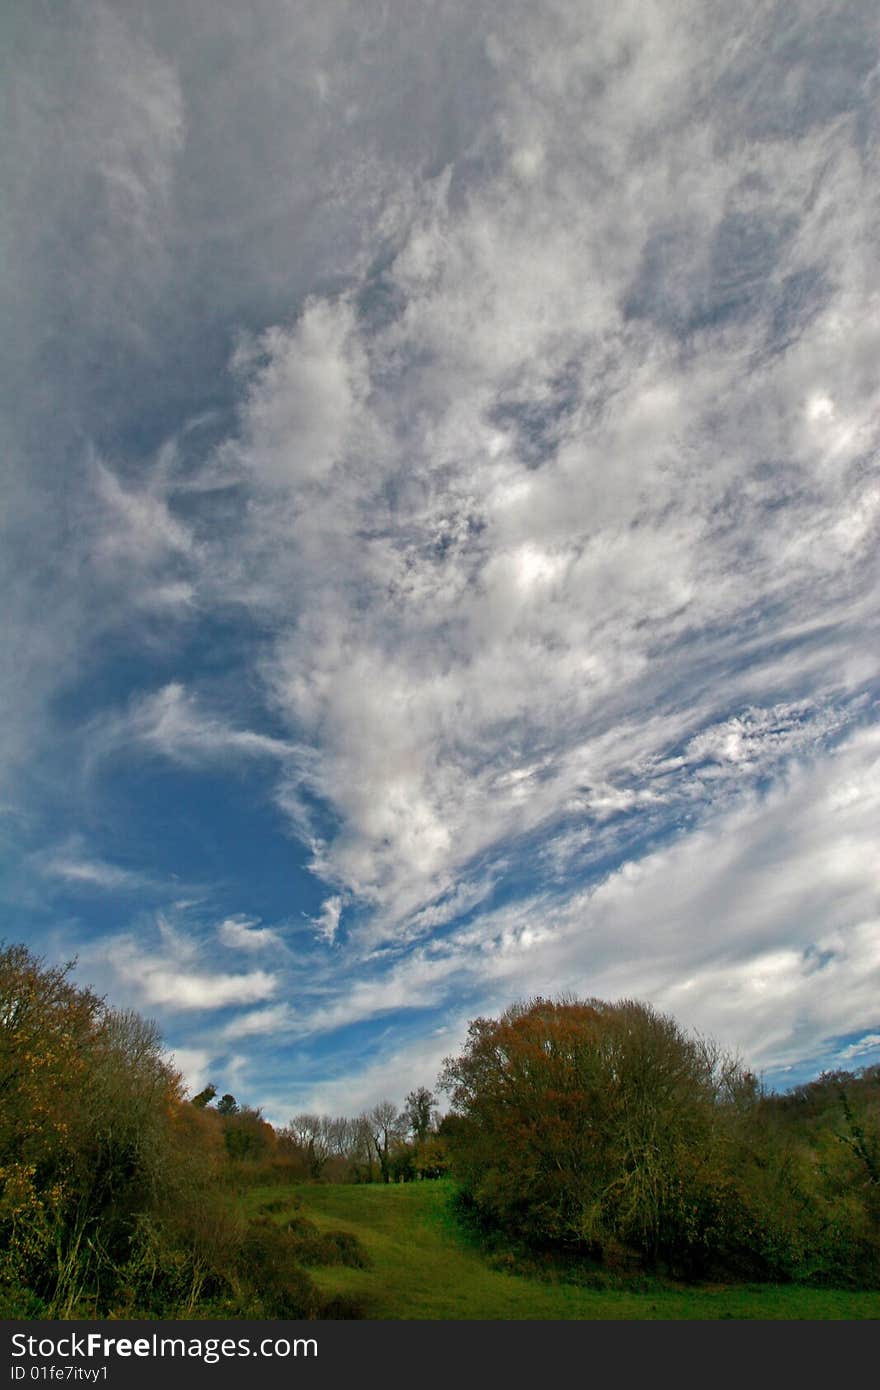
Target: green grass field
423, 1266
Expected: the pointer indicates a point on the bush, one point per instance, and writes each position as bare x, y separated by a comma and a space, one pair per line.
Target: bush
583, 1122
314, 1247
269, 1265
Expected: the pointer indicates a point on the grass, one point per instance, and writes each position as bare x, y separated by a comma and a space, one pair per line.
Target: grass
423, 1266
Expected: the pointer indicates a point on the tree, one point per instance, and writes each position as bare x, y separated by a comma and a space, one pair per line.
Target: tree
342, 1136
420, 1113
227, 1105
314, 1135
385, 1127
121, 1128
583, 1122
362, 1149
204, 1097
247, 1135
87, 1108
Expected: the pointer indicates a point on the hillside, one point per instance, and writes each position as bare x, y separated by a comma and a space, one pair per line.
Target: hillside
422, 1266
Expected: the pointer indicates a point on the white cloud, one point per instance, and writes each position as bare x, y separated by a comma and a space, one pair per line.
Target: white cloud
863, 1047
173, 977
173, 723
194, 1064
583, 526
399, 1071
759, 927
302, 396
139, 528
327, 921
245, 934
92, 873
171, 990
272, 1021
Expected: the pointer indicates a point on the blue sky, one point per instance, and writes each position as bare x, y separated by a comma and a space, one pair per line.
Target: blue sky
439, 541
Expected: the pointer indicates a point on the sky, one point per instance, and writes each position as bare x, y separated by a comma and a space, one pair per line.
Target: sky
439, 540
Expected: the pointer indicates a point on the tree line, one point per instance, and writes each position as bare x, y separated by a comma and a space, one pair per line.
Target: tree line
603, 1132
382, 1144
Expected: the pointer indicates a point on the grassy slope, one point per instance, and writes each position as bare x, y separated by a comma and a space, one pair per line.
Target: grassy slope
422, 1267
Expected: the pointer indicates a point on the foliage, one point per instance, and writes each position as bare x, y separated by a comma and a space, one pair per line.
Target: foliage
86, 1130
605, 1129
113, 1188
204, 1097
246, 1134
420, 1113
587, 1124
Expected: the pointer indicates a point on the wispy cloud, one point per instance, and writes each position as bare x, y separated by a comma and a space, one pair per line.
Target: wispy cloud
493, 478
864, 1047
327, 922
93, 874
274, 1022
759, 928
172, 722
581, 533
174, 977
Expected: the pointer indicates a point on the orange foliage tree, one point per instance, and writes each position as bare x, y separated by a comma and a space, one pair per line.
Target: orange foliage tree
580, 1123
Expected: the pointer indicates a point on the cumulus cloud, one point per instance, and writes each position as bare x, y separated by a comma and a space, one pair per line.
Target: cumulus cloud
303, 390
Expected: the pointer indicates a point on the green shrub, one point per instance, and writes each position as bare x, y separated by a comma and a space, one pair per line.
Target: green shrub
329, 1248
269, 1267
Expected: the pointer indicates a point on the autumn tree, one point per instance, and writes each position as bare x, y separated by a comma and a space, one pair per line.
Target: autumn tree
580, 1122
121, 1131
86, 1108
